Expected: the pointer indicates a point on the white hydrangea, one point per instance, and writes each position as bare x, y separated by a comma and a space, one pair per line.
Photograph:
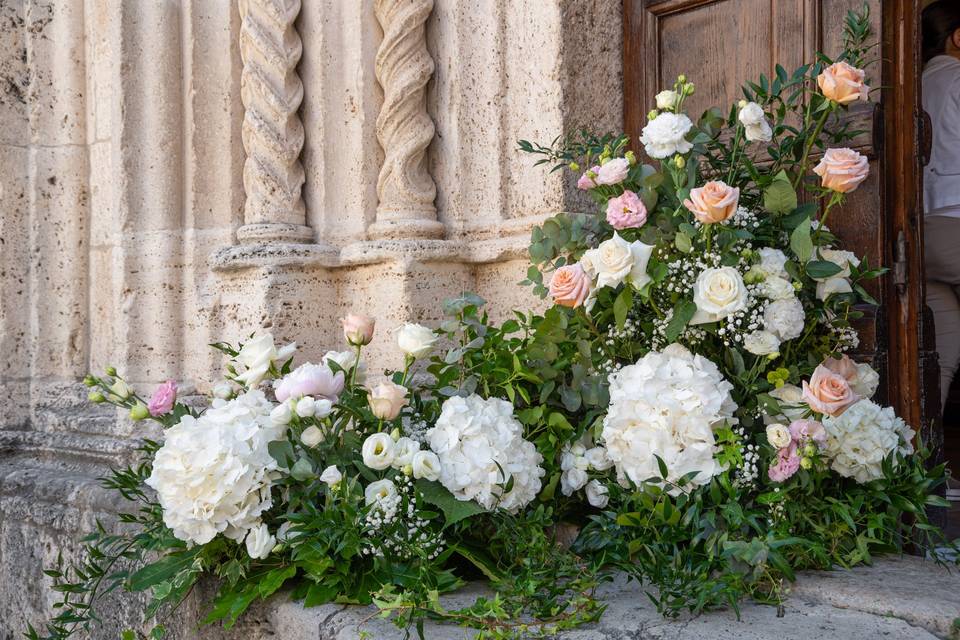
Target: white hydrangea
665, 135
785, 318
861, 437
667, 404
772, 263
475, 439
213, 473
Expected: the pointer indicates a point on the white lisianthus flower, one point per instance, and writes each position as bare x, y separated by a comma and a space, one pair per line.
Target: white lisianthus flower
615, 261
717, 294
785, 318
598, 459
426, 465
311, 436
667, 99
777, 288
667, 404
213, 473
481, 448
403, 452
120, 390
761, 343
754, 121
257, 354
259, 542
613, 171
572, 480
597, 494
416, 340
772, 263
861, 437
378, 451
379, 491
826, 288
306, 407
665, 135
331, 475
778, 435
346, 361
281, 414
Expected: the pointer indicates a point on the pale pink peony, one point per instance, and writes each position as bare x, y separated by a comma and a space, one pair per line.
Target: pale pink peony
787, 464
316, 380
843, 83
827, 392
804, 431
586, 182
163, 399
626, 211
358, 329
614, 171
570, 286
842, 170
713, 202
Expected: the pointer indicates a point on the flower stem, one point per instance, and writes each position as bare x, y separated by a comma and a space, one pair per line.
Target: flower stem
356, 365
808, 146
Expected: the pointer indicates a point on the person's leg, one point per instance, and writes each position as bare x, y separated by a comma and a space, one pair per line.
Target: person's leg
942, 251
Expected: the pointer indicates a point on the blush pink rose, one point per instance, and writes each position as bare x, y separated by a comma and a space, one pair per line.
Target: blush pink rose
316, 380
827, 392
626, 211
358, 329
842, 170
163, 399
843, 83
804, 431
570, 286
613, 171
588, 180
713, 202
787, 464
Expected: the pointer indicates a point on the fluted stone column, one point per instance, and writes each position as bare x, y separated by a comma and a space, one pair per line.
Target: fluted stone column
405, 189
271, 91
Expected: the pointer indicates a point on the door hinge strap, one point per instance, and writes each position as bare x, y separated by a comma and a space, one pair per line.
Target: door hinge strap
900, 263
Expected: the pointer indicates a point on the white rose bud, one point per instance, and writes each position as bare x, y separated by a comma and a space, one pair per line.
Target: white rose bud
778, 435
667, 99
598, 459
306, 407
403, 452
259, 542
572, 479
311, 436
378, 451
387, 399
426, 465
597, 494
331, 475
416, 340
322, 408
281, 414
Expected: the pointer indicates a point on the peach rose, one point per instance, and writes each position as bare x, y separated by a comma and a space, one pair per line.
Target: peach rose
828, 392
358, 329
843, 84
713, 202
842, 170
570, 286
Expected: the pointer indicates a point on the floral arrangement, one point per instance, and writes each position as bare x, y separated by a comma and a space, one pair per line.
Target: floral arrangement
689, 392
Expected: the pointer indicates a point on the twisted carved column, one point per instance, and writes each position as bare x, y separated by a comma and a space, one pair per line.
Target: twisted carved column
405, 189
271, 92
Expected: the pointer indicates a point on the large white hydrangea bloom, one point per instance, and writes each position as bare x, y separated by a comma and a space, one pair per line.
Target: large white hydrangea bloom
667, 404
862, 436
472, 437
213, 473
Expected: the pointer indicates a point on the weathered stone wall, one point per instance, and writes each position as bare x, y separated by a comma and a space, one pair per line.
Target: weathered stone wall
176, 172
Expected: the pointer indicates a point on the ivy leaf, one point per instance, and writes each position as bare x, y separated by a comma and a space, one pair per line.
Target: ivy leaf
454, 510
780, 197
800, 242
822, 269
682, 313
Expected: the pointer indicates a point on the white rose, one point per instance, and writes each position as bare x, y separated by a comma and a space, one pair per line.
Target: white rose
665, 135
826, 288
761, 343
572, 479
717, 294
772, 263
426, 465
667, 99
223, 391
866, 382
616, 260
598, 459
778, 435
792, 405
785, 319
281, 414
416, 340
597, 494
378, 451
403, 452
755, 124
311, 436
306, 407
259, 542
379, 491
777, 288
346, 361
257, 354
331, 475
843, 259
613, 172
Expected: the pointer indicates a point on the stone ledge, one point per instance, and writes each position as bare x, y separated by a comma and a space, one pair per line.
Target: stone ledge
896, 599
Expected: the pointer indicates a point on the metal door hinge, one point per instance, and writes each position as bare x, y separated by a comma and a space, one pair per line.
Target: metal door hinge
900, 263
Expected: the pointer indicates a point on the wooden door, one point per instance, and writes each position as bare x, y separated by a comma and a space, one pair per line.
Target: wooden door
720, 44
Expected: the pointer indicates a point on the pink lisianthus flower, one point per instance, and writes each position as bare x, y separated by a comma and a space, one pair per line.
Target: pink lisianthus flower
613, 171
804, 431
316, 380
626, 211
787, 464
163, 399
588, 180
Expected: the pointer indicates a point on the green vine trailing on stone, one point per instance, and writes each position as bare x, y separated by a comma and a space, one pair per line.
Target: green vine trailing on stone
684, 413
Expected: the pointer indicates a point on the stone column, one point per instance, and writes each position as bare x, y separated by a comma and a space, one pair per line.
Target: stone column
271, 91
405, 189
